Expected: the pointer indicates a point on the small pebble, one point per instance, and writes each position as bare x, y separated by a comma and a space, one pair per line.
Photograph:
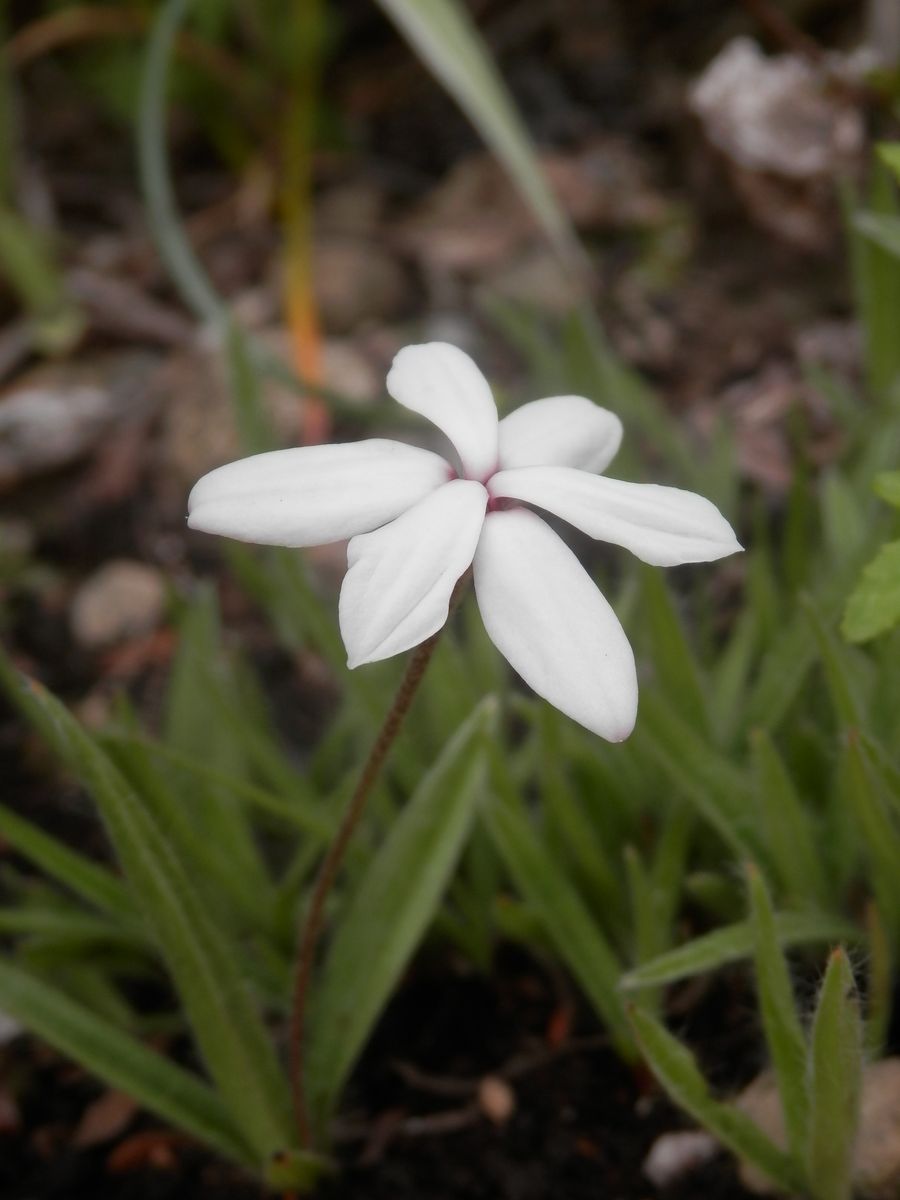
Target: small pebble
496, 1099
121, 600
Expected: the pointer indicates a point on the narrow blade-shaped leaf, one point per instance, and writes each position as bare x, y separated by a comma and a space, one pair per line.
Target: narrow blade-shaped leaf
448, 42
791, 653
676, 1069
227, 1027
719, 791
859, 789
835, 1083
880, 984
673, 660
784, 1035
574, 932
392, 907
789, 828
874, 604
732, 943
121, 1061
93, 883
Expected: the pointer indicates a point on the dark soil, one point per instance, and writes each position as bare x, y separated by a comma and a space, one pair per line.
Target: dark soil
582, 1126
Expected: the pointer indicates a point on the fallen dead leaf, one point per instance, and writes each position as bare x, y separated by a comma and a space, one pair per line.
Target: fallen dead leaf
105, 1119
784, 132
151, 1148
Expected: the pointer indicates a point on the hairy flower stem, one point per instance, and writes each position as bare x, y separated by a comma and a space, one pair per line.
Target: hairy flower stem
312, 926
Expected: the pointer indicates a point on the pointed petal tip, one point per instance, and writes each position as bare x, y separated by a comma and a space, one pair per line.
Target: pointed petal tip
622, 734
444, 384
619, 728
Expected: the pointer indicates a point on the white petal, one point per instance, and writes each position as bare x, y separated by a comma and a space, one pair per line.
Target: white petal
565, 431
662, 525
544, 614
442, 383
311, 495
396, 592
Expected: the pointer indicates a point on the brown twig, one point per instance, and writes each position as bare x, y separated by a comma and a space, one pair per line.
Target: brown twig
782, 30
90, 22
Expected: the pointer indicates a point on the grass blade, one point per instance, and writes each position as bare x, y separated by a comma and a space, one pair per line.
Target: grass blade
732, 943
835, 1082
93, 883
121, 1061
674, 662
575, 934
226, 1025
392, 907
784, 1034
790, 833
676, 1069
719, 791
859, 790
446, 39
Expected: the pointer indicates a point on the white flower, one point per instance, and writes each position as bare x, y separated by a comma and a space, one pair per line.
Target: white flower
416, 524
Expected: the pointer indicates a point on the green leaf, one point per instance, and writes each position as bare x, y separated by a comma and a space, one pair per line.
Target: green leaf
199, 670
446, 39
880, 984
674, 663
731, 944
876, 247
392, 907
845, 516
732, 673
709, 780
889, 153
93, 883
669, 865
121, 1061
575, 933
874, 604
847, 671
296, 810
676, 1069
63, 925
565, 817
884, 231
648, 932
784, 1035
859, 788
793, 650
171, 240
226, 1025
789, 828
29, 267
887, 486
168, 231
835, 1083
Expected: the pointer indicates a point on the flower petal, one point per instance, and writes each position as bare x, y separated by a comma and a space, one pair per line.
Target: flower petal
565, 431
544, 614
396, 592
442, 383
662, 525
314, 494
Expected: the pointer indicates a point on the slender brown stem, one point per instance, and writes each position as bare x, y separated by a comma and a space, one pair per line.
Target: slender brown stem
312, 926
